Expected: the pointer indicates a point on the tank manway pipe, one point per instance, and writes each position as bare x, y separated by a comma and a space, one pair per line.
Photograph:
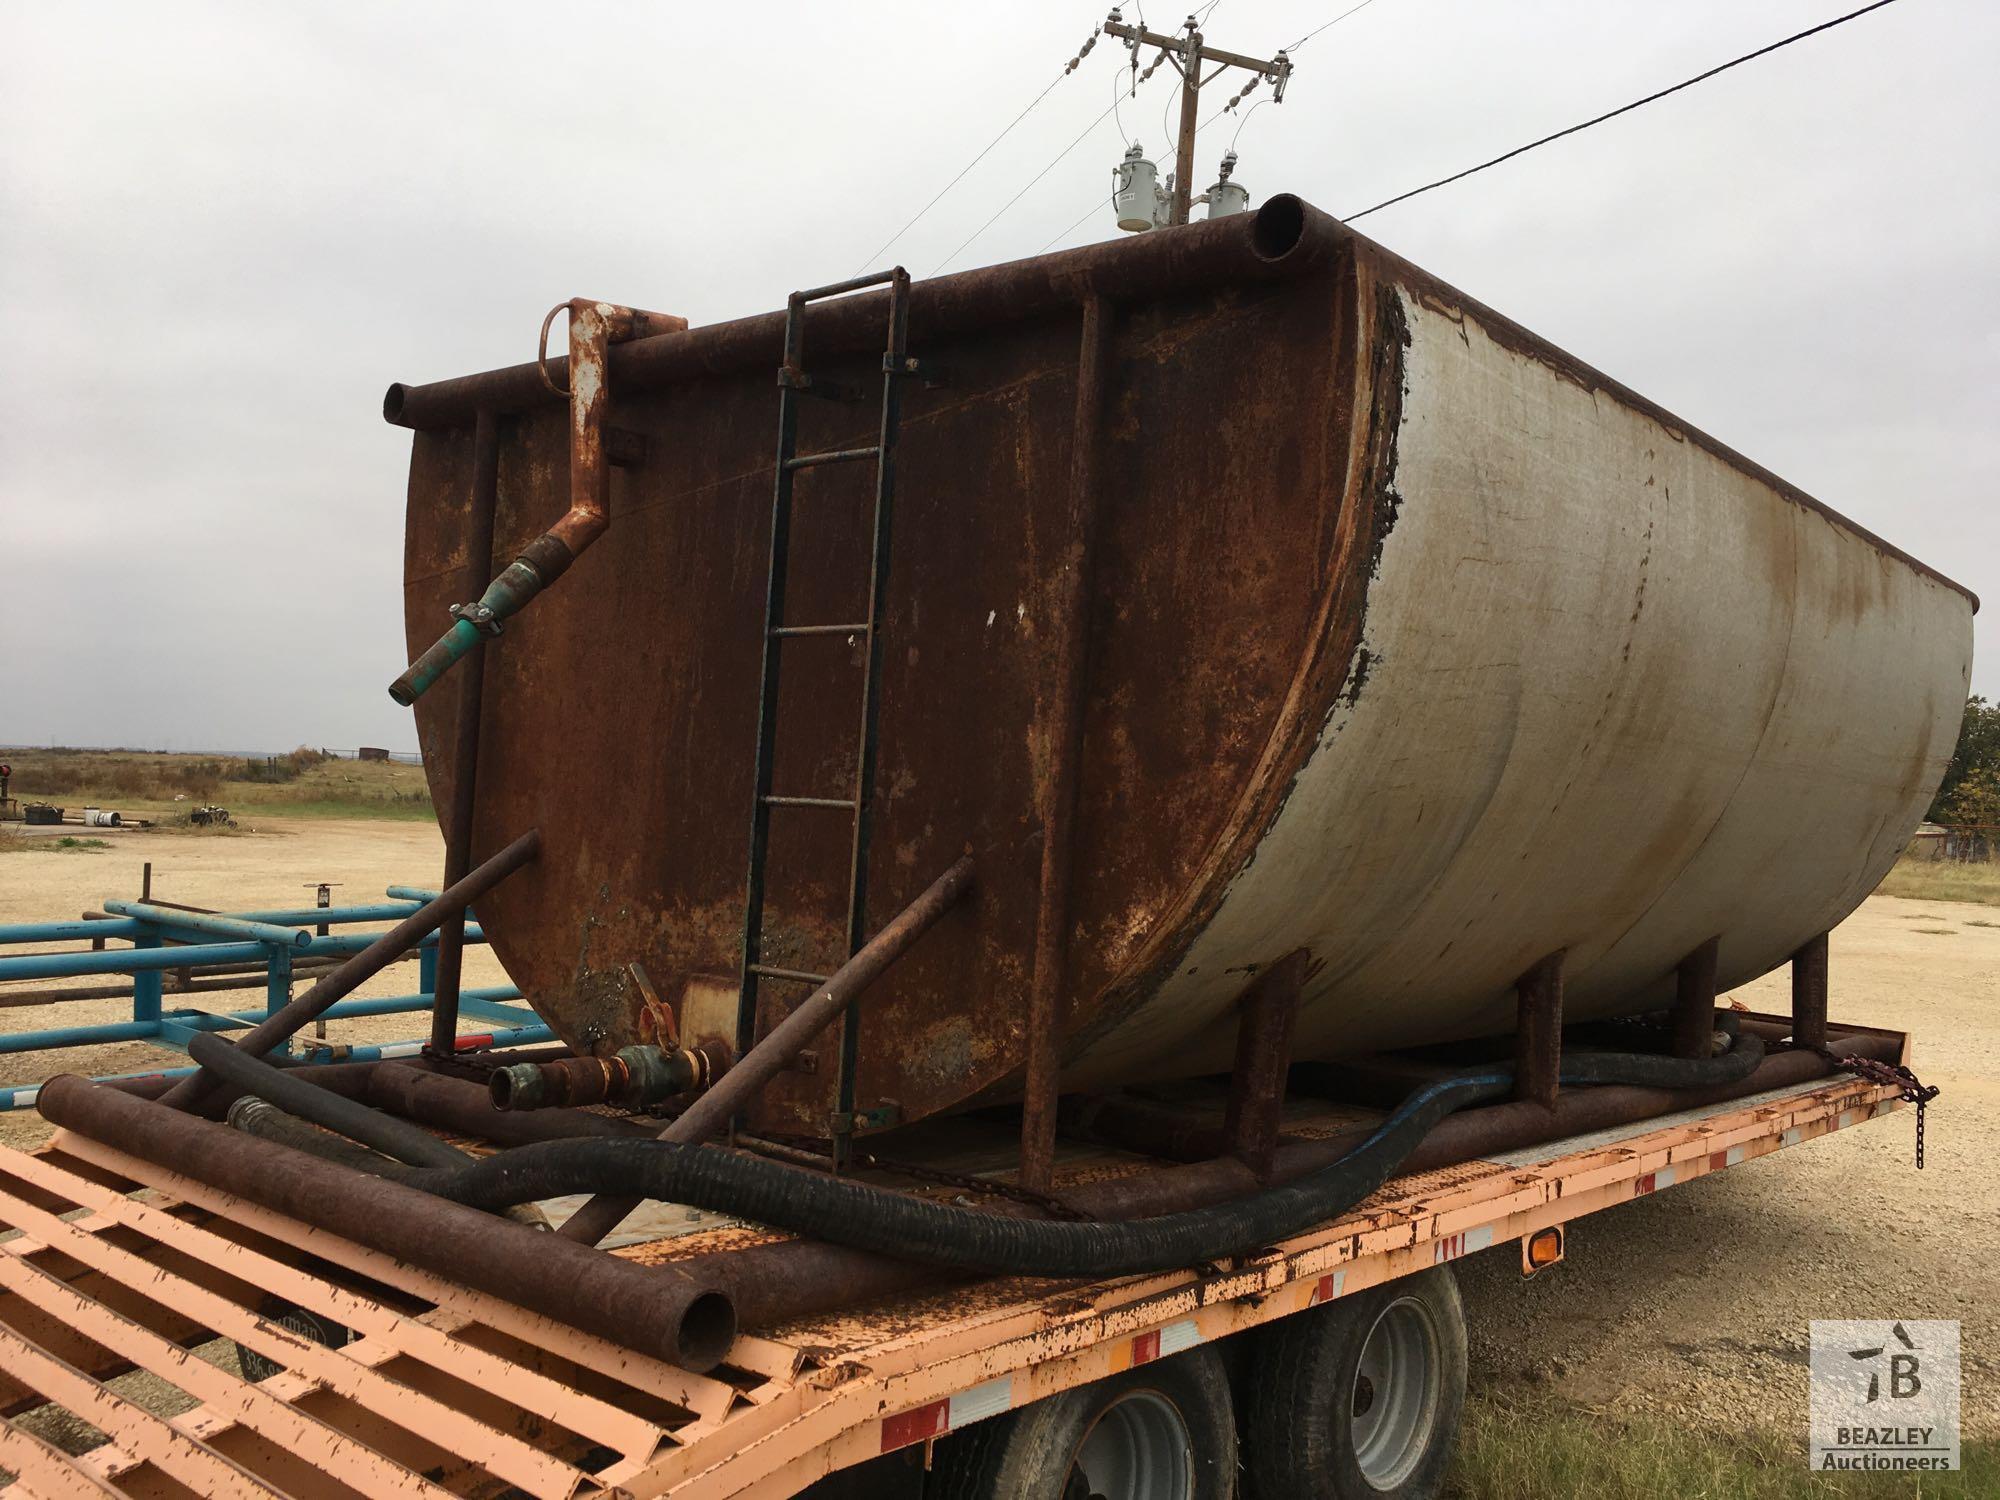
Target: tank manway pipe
712, 1111
370, 961
655, 1310
593, 328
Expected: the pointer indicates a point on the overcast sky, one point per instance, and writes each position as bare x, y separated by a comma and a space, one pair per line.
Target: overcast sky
225, 228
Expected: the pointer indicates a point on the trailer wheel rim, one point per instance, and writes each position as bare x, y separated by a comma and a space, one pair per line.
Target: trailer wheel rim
1394, 1400
1139, 1448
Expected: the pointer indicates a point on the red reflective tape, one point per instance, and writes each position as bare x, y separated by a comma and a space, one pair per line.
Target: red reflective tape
915, 1426
1323, 1292
473, 1042
1717, 1160
1146, 1347
1642, 1185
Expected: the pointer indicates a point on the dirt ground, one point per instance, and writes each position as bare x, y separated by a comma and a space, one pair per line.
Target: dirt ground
273, 868
1693, 1303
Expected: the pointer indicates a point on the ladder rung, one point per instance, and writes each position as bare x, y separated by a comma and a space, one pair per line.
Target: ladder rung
766, 971
852, 284
832, 456
843, 803
861, 629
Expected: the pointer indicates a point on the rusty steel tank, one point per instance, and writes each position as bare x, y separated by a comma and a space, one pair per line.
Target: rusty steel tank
1395, 633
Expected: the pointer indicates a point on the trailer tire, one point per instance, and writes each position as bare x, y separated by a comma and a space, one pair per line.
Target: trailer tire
1360, 1399
1165, 1429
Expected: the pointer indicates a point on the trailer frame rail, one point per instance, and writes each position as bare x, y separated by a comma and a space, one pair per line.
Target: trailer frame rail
115, 1264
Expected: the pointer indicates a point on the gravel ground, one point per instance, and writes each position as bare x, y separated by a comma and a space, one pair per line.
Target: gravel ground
273, 868
1693, 1303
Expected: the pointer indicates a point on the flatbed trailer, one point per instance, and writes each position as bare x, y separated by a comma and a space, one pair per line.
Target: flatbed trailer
115, 1265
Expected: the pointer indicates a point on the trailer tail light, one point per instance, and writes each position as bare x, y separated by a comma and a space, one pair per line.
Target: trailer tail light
1541, 1249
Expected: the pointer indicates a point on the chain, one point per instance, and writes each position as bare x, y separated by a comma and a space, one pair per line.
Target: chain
1889, 1076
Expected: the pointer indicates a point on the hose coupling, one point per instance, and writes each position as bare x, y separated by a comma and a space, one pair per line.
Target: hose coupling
633, 1078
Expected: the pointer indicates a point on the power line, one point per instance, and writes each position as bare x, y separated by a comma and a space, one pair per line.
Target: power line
1018, 196
877, 256
1334, 22
1244, 121
1622, 109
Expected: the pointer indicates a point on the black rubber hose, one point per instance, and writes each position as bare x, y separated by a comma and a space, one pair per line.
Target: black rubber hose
906, 1228
381, 1132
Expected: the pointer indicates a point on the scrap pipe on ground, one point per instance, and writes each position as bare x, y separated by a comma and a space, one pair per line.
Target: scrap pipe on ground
370, 961
712, 1111
786, 1279
655, 1310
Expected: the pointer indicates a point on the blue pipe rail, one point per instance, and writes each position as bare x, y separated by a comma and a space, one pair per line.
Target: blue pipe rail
210, 924
188, 955
165, 938
90, 930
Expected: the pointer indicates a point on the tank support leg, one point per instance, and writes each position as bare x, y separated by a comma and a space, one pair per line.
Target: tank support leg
1538, 1000
465, 759
1059, 720
1263, 1056
1809, 993
1694, 1002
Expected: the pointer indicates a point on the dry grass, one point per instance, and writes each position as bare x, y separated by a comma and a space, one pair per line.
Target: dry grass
14, 842
147, 784
1942, 880
1545, 1451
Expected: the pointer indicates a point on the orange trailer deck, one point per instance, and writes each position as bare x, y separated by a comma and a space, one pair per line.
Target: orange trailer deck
114, 1266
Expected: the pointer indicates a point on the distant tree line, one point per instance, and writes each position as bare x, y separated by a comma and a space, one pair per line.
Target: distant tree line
1970, 791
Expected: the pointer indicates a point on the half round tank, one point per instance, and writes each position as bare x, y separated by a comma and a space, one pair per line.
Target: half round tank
1410, 641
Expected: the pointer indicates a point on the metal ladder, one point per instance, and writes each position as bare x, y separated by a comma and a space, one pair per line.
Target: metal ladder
793, 382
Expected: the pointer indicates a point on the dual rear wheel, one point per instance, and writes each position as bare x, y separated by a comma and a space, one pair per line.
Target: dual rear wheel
1357, 1400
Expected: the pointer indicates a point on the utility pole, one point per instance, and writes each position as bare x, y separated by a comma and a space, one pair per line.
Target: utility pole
1189, 53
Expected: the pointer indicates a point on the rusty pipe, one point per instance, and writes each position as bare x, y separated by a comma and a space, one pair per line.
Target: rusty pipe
462, 1107
655, 1310
786, 1279
465, 757
1060, 716
1283, 238
636, 1077
378, 955
712, 1111
593, 328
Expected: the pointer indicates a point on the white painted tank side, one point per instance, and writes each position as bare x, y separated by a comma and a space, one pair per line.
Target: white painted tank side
1619, 697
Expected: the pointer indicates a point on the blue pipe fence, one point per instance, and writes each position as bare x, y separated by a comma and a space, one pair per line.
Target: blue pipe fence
165, 938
